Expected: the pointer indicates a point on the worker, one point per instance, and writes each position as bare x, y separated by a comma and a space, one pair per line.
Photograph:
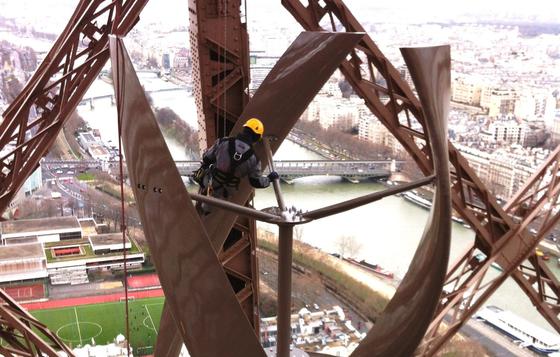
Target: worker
228, 161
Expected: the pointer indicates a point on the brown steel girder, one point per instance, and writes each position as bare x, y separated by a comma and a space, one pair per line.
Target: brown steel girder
21, 332
57, 87
220, 54
502, 238
533, 204
53, 92
220, 59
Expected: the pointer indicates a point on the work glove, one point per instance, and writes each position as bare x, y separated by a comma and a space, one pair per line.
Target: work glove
273, 175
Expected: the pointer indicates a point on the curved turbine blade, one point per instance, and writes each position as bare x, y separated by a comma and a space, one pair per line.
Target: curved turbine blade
281, 99
405, 320
197, 292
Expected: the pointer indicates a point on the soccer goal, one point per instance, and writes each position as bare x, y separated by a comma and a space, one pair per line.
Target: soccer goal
130, 298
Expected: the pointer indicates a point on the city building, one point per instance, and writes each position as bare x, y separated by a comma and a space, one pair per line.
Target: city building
498, 101
182, 59
62, 248
260, 65
372, 130
466, 90
317, 330
94, 146
504, 170
507, 129
536, 103
335, 112
99, 152
108, 243
405, 74
555, 130
21, 262
535, 133
32, 184
44, 230
115, 349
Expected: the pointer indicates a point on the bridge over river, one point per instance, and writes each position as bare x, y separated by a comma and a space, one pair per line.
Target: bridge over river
91, 99
289, 170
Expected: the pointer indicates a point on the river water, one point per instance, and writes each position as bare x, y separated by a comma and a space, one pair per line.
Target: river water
388, 231
104, 114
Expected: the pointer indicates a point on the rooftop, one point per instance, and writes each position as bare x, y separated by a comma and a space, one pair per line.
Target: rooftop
108, 239
88, 137
98, 150
41, 224
22, 240
88, 226
21, 251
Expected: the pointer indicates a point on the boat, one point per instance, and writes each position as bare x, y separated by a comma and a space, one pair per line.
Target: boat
374, 268
528, 334
480, 257
457, 219
413, 197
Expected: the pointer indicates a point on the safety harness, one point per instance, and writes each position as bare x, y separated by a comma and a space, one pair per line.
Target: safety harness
228, 178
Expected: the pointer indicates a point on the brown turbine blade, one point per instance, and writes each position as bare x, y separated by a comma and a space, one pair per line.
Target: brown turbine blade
169, 341
405, 320
197, 292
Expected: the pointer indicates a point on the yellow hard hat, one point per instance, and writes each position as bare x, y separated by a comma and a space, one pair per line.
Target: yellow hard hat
255, 125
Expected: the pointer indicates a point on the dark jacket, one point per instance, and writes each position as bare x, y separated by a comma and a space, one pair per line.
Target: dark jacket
232, 160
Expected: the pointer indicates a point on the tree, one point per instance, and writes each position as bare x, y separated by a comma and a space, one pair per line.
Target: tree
347, 246
178, 129
29, 208
152, 62
73, 205
52, 208
345, 88
298, 233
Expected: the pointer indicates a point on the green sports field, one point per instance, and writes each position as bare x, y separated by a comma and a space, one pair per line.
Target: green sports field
78, 325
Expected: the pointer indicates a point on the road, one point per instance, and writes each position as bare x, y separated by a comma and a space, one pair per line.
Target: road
86, 197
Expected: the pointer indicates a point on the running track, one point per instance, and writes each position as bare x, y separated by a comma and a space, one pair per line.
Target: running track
91, 299
143, 281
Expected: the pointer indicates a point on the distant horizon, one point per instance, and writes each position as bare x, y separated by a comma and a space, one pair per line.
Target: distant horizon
175, 12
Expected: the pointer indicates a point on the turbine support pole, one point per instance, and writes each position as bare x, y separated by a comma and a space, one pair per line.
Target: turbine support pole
284, 321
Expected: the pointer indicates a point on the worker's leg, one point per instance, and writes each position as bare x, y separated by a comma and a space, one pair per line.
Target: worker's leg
217, 192
198, 204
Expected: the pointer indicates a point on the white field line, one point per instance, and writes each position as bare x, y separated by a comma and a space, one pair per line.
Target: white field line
151, 320
78, 324
154, 304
